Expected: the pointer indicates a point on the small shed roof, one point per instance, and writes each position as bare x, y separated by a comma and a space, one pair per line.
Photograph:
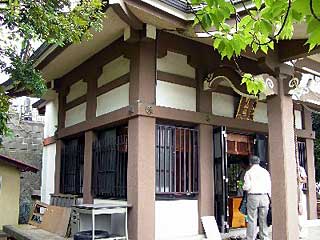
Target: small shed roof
23, 167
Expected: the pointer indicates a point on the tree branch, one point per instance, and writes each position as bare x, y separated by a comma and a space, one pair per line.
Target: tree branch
312, 11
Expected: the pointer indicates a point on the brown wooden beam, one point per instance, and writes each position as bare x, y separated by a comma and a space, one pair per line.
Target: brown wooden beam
112, 85
308, 63
294, 49
49, 140
176, 79
75, 102
97, 61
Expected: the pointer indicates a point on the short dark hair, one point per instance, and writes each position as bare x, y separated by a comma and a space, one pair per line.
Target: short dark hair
254, 160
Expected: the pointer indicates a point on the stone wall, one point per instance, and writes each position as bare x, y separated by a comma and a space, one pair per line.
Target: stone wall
25, 145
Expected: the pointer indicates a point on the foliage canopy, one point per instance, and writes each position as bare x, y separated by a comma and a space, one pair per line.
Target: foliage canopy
237, 26
23, 22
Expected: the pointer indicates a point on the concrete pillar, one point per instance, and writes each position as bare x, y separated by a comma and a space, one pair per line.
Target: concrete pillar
141, 178
206, 186
283, 166
311, 194
141, 141
57, 173
87, 168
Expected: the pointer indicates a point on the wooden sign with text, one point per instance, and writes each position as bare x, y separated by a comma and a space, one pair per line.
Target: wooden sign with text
246, 108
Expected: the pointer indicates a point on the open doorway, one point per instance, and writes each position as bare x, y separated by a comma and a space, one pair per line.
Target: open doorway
231, 158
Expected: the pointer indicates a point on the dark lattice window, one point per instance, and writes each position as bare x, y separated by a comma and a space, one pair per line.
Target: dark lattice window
110, 160
176, 160
301, 151
72, 159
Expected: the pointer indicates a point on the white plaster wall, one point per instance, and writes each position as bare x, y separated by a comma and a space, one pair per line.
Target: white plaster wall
77, 90
260, 113
51, 118
176, 96
48, 169
176, 64
223, 105
176, 219
113, 100
298, 119
114, 70
76, 115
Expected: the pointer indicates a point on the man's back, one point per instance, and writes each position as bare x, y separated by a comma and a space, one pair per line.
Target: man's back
257, 180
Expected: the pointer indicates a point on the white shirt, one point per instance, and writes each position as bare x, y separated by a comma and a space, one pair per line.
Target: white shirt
303, 175
257, 180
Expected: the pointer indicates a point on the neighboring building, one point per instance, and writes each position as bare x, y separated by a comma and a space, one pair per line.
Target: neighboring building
25, 144
10, 173
144, 113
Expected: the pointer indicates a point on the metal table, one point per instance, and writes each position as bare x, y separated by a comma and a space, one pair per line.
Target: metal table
105, 209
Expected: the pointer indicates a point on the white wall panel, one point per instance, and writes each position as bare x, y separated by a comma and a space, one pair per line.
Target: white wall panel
76, 115
176, 64
114, 70
223, 105
51, 118
176, 96
261, 113
47, 171
113, 100
176, 219
298, 119
77, 90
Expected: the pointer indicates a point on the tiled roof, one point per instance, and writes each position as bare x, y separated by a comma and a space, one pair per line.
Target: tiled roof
183, 5
23, 167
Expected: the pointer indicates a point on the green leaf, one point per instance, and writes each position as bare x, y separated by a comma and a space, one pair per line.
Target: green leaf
258, 3
210, 2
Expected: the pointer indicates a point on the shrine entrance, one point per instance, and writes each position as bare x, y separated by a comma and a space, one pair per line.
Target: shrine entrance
231, 159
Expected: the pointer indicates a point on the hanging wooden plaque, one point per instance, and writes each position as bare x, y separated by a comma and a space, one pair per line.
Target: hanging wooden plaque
246, 108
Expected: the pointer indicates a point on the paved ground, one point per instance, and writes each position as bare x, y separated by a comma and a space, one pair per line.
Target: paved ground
313, 232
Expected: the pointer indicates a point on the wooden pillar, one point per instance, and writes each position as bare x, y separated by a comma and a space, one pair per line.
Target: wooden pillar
91, 78
206, 182
204, 98
143, 72
57, 173
61, 108
283, 166
141, 178
87, 168
311, 194
206, 186
141, 142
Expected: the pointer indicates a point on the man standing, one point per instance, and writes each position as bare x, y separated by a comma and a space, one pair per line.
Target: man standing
257, 182
302, 205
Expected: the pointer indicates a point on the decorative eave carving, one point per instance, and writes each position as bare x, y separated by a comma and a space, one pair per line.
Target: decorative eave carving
233, 79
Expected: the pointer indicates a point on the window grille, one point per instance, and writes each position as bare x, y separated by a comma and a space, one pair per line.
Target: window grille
110, 159
176, 160
302, 158
72, 159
